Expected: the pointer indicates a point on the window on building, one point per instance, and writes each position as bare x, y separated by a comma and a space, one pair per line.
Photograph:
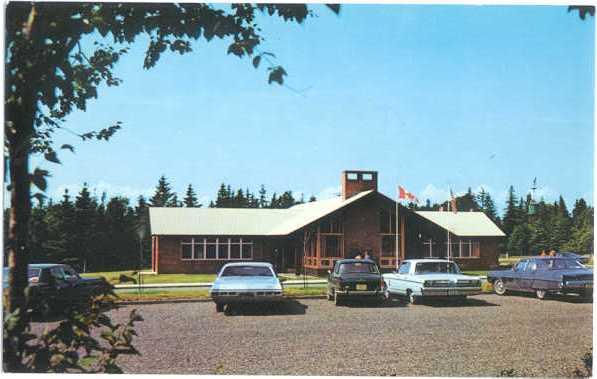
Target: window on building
198, 248
186, 246
216, 249
247, 249
387, 222
333, 246
211, 250
235, 248
331, 224
388, 245
223, 248
367, 177
428, 248
352, 176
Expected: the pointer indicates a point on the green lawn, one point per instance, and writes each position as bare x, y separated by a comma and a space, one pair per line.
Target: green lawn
114, 277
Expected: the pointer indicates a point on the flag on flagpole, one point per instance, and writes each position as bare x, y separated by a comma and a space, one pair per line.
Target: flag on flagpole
404, 194
453, 202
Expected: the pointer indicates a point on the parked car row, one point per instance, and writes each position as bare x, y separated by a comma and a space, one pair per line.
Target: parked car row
416, 279
58, 286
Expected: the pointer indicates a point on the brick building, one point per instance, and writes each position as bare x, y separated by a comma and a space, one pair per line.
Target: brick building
314, 235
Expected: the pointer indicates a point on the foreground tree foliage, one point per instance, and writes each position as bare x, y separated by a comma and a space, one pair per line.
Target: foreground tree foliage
48, 74
71, 346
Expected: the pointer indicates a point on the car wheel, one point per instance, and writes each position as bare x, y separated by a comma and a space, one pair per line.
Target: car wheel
219, 307
541, 294
499, 288
337, 299
387, 295
412, 298
45, 309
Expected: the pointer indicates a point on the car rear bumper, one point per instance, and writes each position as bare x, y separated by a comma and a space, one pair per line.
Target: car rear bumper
464, 291
359, 293
234, 297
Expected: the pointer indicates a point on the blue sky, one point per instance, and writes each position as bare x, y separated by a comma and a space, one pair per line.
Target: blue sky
432, 97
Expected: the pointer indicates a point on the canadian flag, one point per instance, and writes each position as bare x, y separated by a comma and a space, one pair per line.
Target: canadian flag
404, 194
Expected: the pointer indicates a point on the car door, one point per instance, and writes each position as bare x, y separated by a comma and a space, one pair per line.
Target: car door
333, 278
396, 282
516, 281
59, 285
526, 277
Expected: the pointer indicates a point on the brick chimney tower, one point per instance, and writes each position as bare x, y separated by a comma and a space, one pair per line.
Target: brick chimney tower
354, 182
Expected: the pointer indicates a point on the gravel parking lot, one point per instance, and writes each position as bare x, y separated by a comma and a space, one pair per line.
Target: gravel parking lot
484, 336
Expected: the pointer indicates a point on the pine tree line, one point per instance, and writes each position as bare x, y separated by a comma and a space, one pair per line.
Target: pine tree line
531, 227
111, 234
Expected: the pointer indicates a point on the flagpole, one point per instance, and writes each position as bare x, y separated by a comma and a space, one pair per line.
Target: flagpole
396, 242
448, 230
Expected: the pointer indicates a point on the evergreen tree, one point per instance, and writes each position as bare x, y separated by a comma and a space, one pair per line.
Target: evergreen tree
121, 250
518, 243
274, 203
511, 216
85, 226
222, 197
174, 203
312, 199
263, 203
60, 219
163, 195
38, 232
190, 199
486, 204
581, 231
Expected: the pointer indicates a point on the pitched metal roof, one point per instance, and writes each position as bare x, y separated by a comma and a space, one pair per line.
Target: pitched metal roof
464, 224
242, 221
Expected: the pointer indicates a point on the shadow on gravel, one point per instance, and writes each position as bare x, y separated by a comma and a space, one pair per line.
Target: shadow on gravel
571, 298
448, 303
367, 303
286, 307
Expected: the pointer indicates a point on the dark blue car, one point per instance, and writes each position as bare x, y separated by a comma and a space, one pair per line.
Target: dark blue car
543, 276
55, 287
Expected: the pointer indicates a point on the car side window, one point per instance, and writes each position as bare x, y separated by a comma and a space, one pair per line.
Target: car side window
337, 269
404, 268
521, 266
57, 273
70, 272
532, 266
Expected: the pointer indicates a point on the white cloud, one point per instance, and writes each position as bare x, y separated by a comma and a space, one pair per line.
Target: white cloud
328, 193
434, 194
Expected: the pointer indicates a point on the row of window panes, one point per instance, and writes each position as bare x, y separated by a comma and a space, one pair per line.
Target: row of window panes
216, 248
462, 249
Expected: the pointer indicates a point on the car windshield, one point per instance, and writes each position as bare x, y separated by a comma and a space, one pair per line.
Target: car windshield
436, 268
247, 271
358, 267
33, 273
562, 264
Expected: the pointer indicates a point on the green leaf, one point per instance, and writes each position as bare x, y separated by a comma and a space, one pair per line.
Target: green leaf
277, 75
256, 61
38, 178
334, 7
52, 157
68, 147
